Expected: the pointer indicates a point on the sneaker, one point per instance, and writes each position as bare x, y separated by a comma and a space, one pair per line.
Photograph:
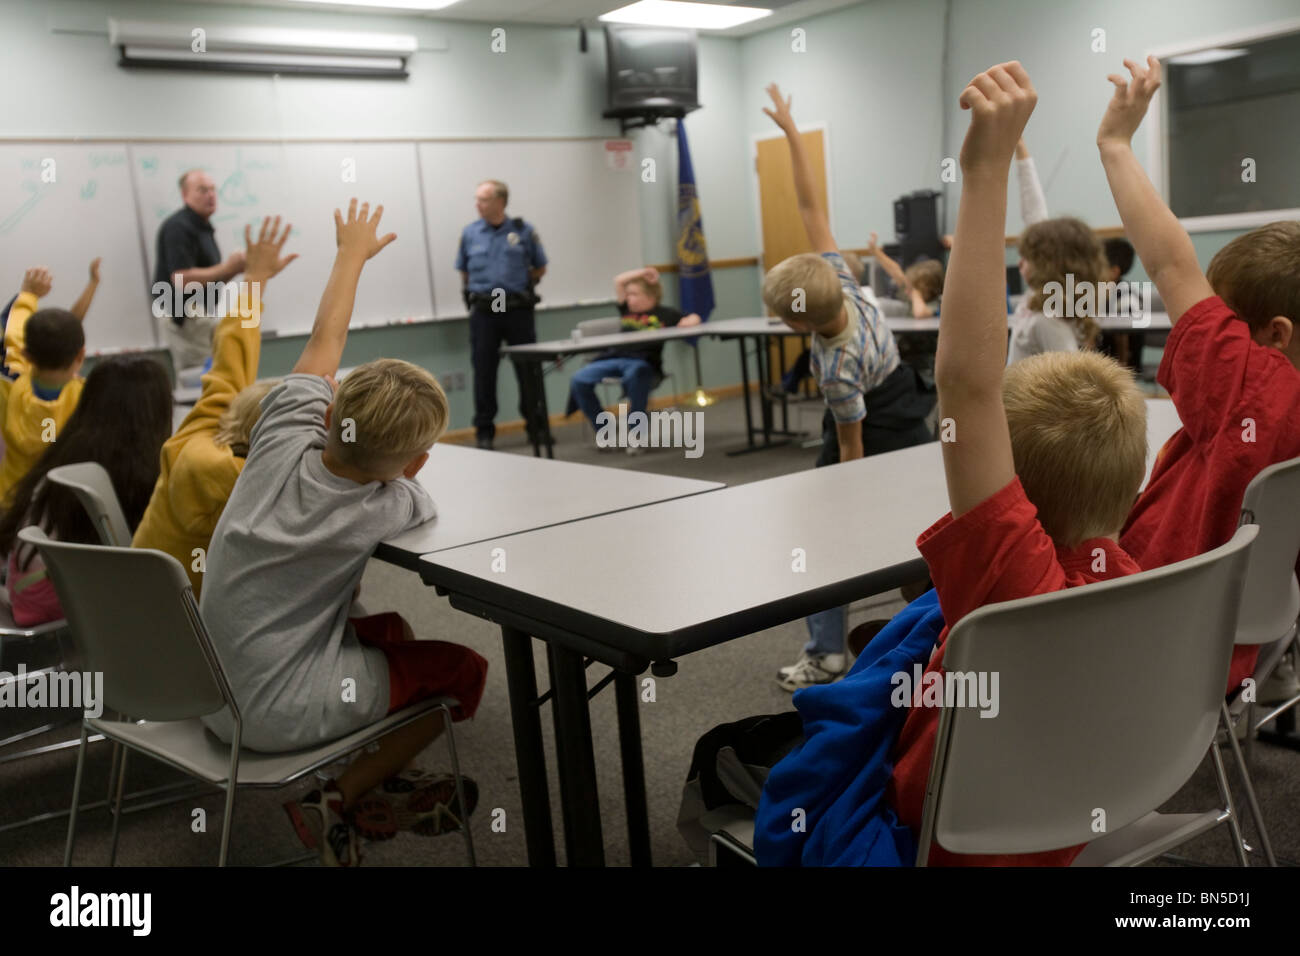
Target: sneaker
321, 825
811, 669
633, 450
433, 809
484, 442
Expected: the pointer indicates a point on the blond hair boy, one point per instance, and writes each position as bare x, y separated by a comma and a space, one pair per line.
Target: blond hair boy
329, 476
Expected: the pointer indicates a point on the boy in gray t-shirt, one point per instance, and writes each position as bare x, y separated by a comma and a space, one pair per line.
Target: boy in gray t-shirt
328, 476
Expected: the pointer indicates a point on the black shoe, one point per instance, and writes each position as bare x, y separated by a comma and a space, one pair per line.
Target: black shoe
861, 635
485, 442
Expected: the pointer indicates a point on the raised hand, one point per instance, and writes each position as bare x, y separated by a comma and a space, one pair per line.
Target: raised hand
1129, 104
94, 269
263, 258
1000, 100
780, 114
357, 234
37, 281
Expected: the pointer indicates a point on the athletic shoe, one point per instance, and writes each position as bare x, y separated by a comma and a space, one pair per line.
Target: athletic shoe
434, 810
321, 825
484, 442
811, 669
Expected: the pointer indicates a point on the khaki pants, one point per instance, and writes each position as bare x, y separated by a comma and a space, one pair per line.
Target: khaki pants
191, 341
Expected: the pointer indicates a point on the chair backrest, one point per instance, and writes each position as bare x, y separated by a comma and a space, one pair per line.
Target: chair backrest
1107, 697
1271, 601
607, 326
133, 616
94, 489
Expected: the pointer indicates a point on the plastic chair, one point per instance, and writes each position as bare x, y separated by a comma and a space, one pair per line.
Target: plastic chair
1110, 696
11, 632
1270, 605
94, 489
159, 666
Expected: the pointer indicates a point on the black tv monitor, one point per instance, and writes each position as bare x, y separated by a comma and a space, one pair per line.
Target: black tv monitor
650, 69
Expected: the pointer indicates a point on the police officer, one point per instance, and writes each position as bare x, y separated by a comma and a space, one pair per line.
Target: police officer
500, 260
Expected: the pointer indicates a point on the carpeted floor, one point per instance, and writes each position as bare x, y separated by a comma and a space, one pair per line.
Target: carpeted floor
721, 684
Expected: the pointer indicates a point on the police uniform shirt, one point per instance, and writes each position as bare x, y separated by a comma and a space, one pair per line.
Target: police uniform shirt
185, 241
499, 257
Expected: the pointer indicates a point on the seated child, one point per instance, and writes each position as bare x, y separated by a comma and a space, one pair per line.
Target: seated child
1230, 363
201, 462
639, 366
1126, 347
1048, 456
43, 351
919, 285
121, 422
329, 474
874, 403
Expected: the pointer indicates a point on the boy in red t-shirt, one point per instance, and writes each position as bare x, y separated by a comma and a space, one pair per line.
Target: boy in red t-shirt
1230, 363
1048, 454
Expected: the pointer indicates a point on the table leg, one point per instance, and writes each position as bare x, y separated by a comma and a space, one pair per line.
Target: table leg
764, 400
629, 740
579, 801
530, 758
537, 421
744, 393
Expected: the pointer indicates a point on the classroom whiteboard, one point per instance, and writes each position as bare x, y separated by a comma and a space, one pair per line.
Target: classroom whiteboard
303, 183
108, 199
61, 205
585, 212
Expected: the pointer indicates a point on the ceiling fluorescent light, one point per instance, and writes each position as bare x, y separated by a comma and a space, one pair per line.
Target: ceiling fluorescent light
389, 4
1202, 57
264, 50
695, 16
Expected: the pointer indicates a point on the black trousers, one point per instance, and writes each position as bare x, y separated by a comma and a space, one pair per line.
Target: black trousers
896, 413
488, 330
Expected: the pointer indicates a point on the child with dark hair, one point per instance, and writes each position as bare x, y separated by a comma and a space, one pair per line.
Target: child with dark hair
1126, 347
121, 422
44, 351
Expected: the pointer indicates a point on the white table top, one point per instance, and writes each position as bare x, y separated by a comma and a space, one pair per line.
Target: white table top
1155, 322
487, 494
761, 325
710, 567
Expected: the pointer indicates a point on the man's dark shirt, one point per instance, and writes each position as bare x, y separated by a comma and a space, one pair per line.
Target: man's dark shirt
185, 241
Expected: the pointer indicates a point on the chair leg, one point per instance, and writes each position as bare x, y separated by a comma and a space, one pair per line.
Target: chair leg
117, 808
225, 824
1238, 842
232, 783
460, 789
76, 796
1250, 789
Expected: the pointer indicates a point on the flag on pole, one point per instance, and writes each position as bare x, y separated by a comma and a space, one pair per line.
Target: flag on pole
692, 253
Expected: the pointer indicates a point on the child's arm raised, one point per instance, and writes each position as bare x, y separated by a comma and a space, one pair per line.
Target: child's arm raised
1162, 244
973, 323
815, 224
892, 268
649, 273
82, 305
357, 242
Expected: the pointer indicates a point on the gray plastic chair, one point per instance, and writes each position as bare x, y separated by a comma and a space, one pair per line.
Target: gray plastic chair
159, 666
1109, 698
1270, 605
94, 488
11, 632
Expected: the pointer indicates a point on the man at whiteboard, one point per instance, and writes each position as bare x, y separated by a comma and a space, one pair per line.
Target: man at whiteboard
187, 246
500, 260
